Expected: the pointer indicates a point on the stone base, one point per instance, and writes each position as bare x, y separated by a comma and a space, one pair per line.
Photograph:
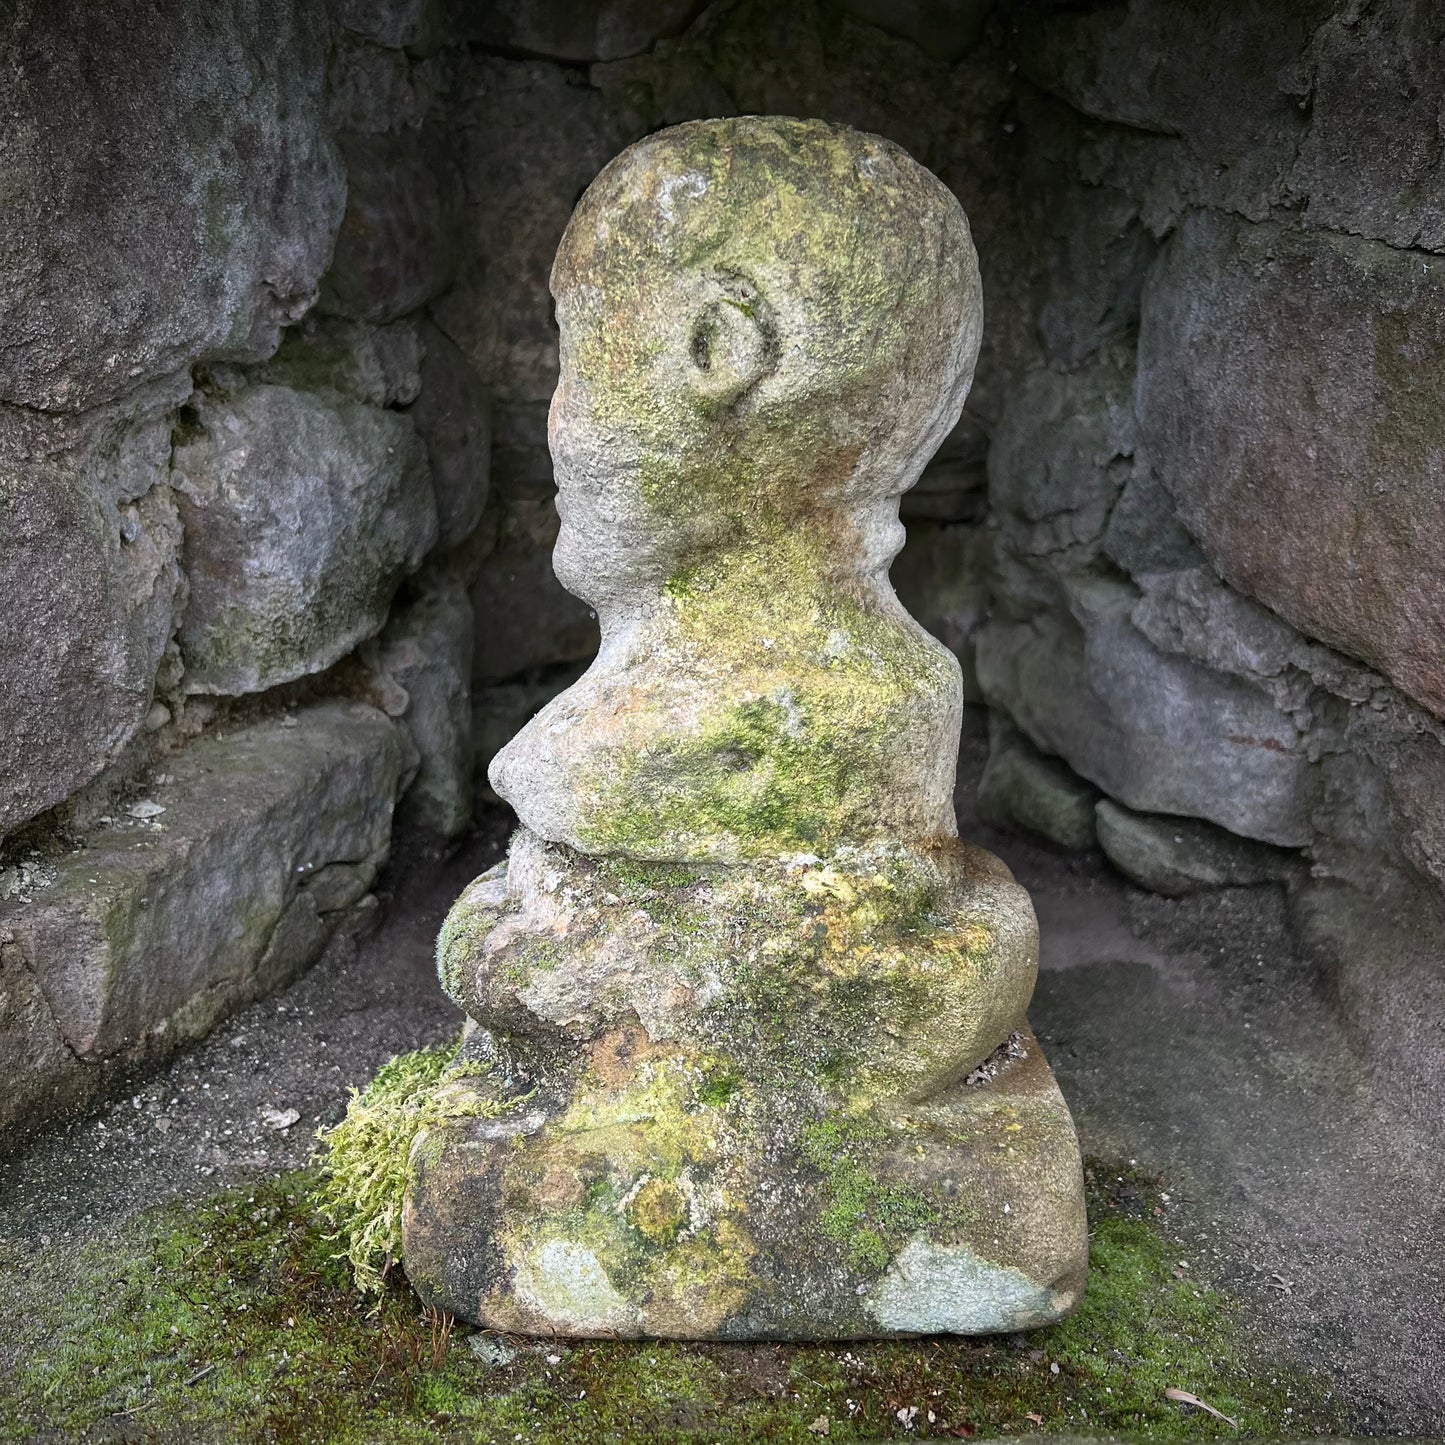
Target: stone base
641, 1193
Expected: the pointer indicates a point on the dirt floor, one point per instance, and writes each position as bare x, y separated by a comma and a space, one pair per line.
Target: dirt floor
1187, 1036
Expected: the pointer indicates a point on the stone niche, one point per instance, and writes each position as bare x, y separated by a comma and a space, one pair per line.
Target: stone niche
279, 351
751, 1057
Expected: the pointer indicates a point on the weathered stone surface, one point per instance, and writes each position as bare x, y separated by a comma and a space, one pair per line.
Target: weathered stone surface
453, 414
394, 23
577, 30
154, 930
394, 248
1370, 161
1096, 251
521, 461
952, 487
942, 29
500, 711
1021, 788
1167, 67
378, 365
171, 194
904, 937
35, 1064
372, 89
1286, 389
1175, 856
535, 136
1060, 456
734, 391
723, 1230
91, 582
1189, 611
1383, 965
1212, 110
302, 515
427, 649
1143, 532
738, 977
1159, 732
631, 997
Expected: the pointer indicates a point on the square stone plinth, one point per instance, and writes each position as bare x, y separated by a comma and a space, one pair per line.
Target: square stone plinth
632, 1194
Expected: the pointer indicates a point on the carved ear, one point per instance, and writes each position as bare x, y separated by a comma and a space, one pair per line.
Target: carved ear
732, 343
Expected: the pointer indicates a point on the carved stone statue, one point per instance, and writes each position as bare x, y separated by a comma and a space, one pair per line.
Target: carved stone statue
751, 1058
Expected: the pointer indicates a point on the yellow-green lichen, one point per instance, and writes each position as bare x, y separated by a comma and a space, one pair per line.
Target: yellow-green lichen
465, 928
812, 706
625, 1199
883, 971
861, 248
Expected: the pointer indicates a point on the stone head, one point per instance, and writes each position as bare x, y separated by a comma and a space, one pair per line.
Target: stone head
763, 321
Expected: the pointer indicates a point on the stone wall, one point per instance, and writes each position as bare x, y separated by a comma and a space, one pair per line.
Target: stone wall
240, 474
275, 357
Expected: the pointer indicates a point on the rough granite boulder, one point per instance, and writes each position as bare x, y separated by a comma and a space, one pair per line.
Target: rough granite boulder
394, 247
1159, 731
751, 1058
393, 23
1197, 113
378, 365
1370, 161
1286, 394
427, 650
160, 925
576, 30
534, 135
1022, 788
1175, 856
941, 577
302, 515
553, 627
91, 580
453, 415
170, 191
1060, 456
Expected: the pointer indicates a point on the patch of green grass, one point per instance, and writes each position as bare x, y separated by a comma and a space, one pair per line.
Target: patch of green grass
236, 1320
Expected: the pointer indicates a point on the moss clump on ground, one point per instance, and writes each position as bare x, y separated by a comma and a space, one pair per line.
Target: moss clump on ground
366, 1161
236, 1320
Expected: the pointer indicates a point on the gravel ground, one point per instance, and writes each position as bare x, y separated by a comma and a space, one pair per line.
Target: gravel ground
215, 1114
1187, 1036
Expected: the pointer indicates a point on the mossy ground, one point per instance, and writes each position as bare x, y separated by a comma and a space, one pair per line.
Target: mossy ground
235, 1320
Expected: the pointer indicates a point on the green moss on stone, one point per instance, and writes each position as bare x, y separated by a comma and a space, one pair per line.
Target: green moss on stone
601, 1203
367, 1158
799, 749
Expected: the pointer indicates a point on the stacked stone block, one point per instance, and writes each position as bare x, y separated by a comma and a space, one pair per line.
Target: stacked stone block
240, 470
